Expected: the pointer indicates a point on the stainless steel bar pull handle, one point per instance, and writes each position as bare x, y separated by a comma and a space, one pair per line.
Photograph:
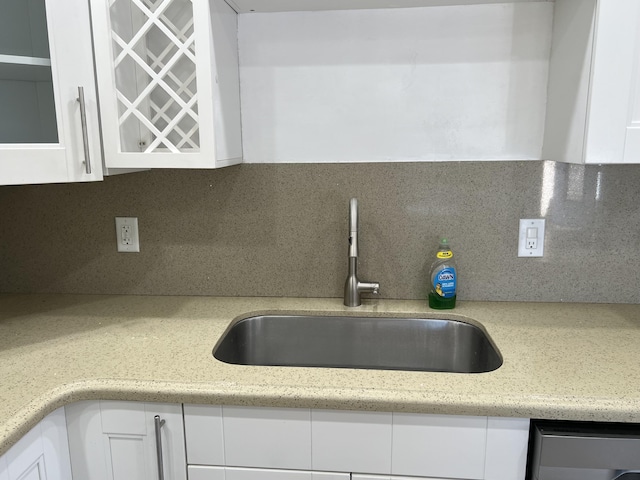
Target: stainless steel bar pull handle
85, 133
159, 423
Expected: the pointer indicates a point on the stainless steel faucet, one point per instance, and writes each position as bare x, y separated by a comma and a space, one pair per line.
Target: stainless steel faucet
354, 287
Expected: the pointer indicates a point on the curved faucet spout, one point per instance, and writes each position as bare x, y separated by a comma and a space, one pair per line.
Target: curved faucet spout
353, 287
353, 228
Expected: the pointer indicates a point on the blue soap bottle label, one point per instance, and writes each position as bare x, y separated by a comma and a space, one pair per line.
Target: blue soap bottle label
444, 282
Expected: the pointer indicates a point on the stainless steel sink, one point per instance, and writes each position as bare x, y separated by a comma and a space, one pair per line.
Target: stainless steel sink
423, 344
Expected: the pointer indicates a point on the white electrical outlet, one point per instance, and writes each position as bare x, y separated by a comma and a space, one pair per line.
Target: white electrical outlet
531, 237
127, 234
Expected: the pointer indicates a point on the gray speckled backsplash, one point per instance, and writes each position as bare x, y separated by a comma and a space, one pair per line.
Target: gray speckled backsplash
281, 230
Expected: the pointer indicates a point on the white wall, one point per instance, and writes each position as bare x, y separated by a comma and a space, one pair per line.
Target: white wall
432, 83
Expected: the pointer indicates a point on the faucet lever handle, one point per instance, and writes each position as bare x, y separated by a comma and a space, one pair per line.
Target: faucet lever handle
369, 287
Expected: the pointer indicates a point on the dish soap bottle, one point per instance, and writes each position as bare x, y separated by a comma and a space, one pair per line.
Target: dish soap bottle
444, 278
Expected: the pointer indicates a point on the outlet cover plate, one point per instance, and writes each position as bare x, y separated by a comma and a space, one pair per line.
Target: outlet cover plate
525, 224
127, 237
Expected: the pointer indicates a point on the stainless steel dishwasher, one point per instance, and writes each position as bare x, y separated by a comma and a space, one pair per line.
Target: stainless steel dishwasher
584, 451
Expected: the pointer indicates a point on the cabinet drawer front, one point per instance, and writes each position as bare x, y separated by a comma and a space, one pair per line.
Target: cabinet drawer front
264, 474
439, 445
387, 477
351, 441
203, 434
199, 472
267, 437
330, 476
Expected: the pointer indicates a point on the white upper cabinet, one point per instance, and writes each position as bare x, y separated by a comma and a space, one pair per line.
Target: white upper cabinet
46, 134
593, 109
169, 84
320, 81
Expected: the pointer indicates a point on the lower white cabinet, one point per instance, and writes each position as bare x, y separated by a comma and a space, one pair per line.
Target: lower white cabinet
507, 444
42, 454
267, 437
114, 440
439, 446
205, 441
385, 445
351, 441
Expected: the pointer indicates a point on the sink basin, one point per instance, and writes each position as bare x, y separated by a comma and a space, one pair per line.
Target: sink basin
422, 344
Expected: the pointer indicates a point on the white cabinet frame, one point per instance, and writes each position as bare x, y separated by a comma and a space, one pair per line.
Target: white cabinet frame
210, 102
69, 29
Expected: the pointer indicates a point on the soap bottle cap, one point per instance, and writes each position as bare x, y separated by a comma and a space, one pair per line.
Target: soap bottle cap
444, 250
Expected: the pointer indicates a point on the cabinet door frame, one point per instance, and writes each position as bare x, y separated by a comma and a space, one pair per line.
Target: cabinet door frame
99, 432
69, 33
42, 453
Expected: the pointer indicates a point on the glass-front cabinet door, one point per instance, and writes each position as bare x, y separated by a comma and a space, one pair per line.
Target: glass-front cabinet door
49, 130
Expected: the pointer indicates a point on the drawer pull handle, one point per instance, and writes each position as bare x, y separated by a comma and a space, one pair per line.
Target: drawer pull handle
159, 424
85, 133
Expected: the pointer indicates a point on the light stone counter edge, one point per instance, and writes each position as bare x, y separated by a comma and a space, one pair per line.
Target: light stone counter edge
573, 362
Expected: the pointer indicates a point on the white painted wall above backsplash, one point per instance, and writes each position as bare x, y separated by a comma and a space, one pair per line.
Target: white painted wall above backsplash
247, 6
433, 83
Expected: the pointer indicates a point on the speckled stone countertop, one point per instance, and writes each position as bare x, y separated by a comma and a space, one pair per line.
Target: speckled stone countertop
569, 361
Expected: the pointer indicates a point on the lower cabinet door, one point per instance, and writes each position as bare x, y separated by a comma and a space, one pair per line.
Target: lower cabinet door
345, 441
42, 454
507, 445
200, 472
439, 446
26, 459
267, 438
115, 440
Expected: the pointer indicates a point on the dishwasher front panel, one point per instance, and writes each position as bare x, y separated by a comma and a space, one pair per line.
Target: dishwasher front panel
585, 451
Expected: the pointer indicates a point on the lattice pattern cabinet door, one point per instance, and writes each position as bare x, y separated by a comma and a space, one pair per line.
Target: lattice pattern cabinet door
168, 83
